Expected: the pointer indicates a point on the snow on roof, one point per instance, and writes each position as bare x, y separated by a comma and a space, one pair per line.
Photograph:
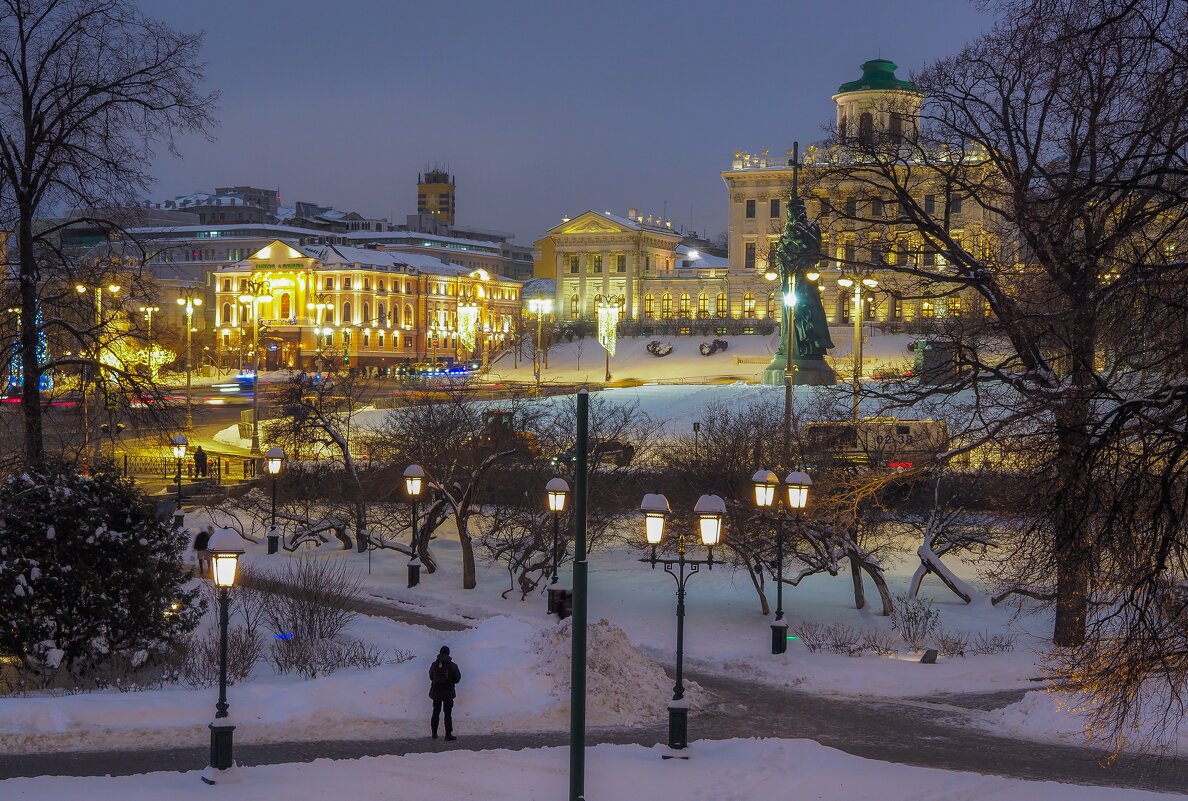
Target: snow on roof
693, 259
382, 236
540, 287
345, 256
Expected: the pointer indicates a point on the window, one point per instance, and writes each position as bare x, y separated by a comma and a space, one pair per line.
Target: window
649, 309
702, 305
366, 284
286, 306
845, 302
930, 204
598, 264
866, 128
771, 304
721, 305
929, 257
367, 339
848, 253
328, 282
573, 265
647, 264
824, 208
575, 308
868, 309
876, 207
927, 310
366, 313
381, 316
748, 305
896, 129
380, 286
381, 339
750, 209
955, 204
620, 263
226, 284
896, 309
243, 285
408, 315
684, 304
226, 318
851, 207
954, 307
346, 282
346, 314
666, 306
774, 211
749, 256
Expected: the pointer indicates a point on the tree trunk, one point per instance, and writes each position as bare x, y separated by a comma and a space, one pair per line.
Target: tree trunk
469, 580
30, 368
757, 583
859, 590
880, 582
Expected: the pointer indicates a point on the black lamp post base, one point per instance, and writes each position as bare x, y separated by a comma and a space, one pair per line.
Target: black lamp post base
221, 757
414, 574
678, 729
779, 637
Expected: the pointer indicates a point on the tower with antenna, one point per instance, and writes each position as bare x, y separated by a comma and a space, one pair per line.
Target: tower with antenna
436, 194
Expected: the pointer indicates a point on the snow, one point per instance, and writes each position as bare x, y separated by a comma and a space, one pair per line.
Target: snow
727, 770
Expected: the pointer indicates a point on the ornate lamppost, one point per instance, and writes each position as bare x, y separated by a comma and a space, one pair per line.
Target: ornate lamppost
225, 547
414, 479
558, 493
797, 486
179, 445
258, 291
274, 465
540, 307
710, 510
189, 298
871, 283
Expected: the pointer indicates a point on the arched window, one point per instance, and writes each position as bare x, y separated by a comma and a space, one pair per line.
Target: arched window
286, 306
748, 305
621, 302
381, 314
771, 304
649, 309
702, 305
866, 128
722, 306
666, 306
845, 302
685, 304
366, 284
409, 320
575, 307
226, 318
366, 313
346, 313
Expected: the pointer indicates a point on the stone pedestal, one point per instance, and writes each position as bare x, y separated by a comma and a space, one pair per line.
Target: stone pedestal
806, 373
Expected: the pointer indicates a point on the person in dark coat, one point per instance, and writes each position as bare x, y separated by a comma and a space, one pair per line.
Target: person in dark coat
443, 675
200, 462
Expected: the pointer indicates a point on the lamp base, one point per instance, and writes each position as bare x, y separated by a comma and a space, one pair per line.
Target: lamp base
221, 737
779, 637
678, 728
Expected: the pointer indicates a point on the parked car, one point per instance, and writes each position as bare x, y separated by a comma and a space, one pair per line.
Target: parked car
601, 451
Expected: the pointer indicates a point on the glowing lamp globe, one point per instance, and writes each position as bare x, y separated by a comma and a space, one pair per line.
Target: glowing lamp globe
225, 547
710, 510
179, 445
414, 477
558, 491
845, 281
765, 483
274, 461
798, 485
655, 509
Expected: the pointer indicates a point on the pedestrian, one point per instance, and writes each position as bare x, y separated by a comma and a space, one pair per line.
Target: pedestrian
200, 462
443, 675
201, 552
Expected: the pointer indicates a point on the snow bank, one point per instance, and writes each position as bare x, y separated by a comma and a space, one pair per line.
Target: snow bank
726, 770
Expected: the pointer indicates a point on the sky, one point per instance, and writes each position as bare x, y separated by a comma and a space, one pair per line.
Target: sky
540, 108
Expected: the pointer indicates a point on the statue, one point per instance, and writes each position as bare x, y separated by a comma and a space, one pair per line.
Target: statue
798, 251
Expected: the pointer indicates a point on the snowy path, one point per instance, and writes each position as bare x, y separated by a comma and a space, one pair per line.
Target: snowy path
910, 731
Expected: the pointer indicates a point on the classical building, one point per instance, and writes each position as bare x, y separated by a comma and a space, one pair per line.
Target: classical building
321, 304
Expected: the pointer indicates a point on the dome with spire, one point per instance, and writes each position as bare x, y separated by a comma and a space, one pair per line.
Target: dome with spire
878, 74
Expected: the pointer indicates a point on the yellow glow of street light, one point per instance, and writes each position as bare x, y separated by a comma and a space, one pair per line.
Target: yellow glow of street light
710, 510
765, 486
798, 485
845, 281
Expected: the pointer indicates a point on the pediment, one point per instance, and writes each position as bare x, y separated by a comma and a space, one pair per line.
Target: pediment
278, 251
591, 222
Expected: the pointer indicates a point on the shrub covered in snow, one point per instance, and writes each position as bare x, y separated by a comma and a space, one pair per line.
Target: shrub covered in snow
86, 571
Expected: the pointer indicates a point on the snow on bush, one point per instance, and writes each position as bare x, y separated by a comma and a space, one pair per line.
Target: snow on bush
622, 685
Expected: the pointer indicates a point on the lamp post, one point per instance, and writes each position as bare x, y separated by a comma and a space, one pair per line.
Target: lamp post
414, 480
179, 445
710, 510
557, 491
540, 307
258, 291
274, 464
148, 312
189, 298
797, 486
225, 547
114, 290
846, 282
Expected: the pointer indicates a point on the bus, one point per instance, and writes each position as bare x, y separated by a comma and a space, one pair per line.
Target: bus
882, 442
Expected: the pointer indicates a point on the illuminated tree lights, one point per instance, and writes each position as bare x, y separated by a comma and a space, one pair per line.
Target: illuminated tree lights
608, 327
468, 319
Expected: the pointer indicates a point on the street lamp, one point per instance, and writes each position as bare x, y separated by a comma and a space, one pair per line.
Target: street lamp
189, 298
114, 290
225, 547
540, 307
414, 479
257, 292
870, 283
274, 465
557, 491
766, 487
179, 445
710, 509
148, 312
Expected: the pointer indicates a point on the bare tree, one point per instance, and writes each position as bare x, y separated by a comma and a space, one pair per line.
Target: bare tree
87, 87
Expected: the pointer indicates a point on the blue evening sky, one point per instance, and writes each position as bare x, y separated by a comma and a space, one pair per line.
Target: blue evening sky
540, 108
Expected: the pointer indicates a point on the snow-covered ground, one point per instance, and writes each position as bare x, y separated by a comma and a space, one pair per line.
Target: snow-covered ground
728, 770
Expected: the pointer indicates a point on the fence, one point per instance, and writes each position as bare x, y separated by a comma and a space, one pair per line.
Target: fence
220, 467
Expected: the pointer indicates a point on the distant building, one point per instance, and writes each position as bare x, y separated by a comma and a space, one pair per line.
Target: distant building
436, 196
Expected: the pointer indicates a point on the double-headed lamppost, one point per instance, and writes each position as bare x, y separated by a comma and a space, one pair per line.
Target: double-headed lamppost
179, 445
797, 486
274, 464
189, 298
225, 547
258, 291
114, 291
710, 510
540, 307
846, 282
414, 481
558, 493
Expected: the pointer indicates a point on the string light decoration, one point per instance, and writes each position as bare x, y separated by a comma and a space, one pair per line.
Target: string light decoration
468, 318
608, 326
